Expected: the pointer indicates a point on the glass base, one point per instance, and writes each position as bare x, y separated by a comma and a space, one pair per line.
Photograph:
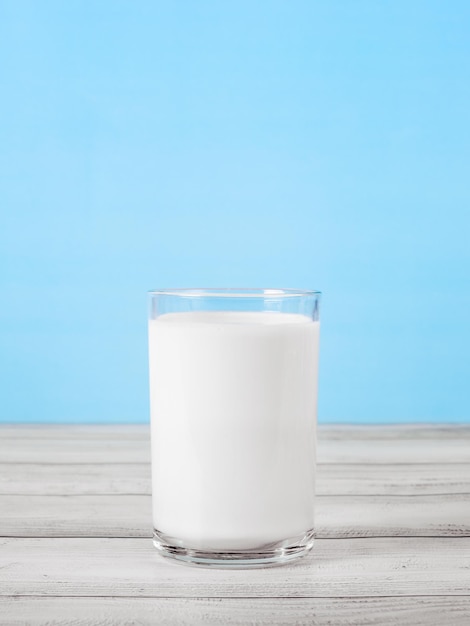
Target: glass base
276, 553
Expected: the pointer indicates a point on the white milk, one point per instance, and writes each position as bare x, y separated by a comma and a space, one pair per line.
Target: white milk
233, 405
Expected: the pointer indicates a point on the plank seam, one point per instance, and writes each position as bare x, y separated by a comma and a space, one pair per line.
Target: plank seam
228, 598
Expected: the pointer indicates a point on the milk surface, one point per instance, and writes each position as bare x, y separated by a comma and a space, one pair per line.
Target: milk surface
233, 413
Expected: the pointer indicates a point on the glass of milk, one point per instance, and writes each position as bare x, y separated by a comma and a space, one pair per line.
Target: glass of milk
233, 391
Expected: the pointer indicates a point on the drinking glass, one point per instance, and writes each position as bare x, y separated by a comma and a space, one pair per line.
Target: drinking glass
233, 395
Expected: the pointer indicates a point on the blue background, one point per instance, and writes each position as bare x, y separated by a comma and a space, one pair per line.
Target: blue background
213, 143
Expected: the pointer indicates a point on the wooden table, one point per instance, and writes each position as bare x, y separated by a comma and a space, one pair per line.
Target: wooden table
393, 547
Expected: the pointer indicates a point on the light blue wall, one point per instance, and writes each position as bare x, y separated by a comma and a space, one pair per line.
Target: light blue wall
306, 143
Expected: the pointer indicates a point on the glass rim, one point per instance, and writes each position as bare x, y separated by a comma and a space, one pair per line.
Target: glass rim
234, 292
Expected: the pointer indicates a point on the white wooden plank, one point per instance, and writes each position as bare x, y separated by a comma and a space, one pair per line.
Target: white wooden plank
393, 516
340, 516
102, 432
388, 451
332, 479
138, 451
336, 567
371, 432
75, 516
74, 450
325, 431
75, 478
405, 611
392, 478
130, 444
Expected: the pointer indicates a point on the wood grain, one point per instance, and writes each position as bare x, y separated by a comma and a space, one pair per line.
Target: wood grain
332, 479
74, 450
340, 516
119, 444
336, 567
402, 451
326, 431
393, 521
364, 611
94, 432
